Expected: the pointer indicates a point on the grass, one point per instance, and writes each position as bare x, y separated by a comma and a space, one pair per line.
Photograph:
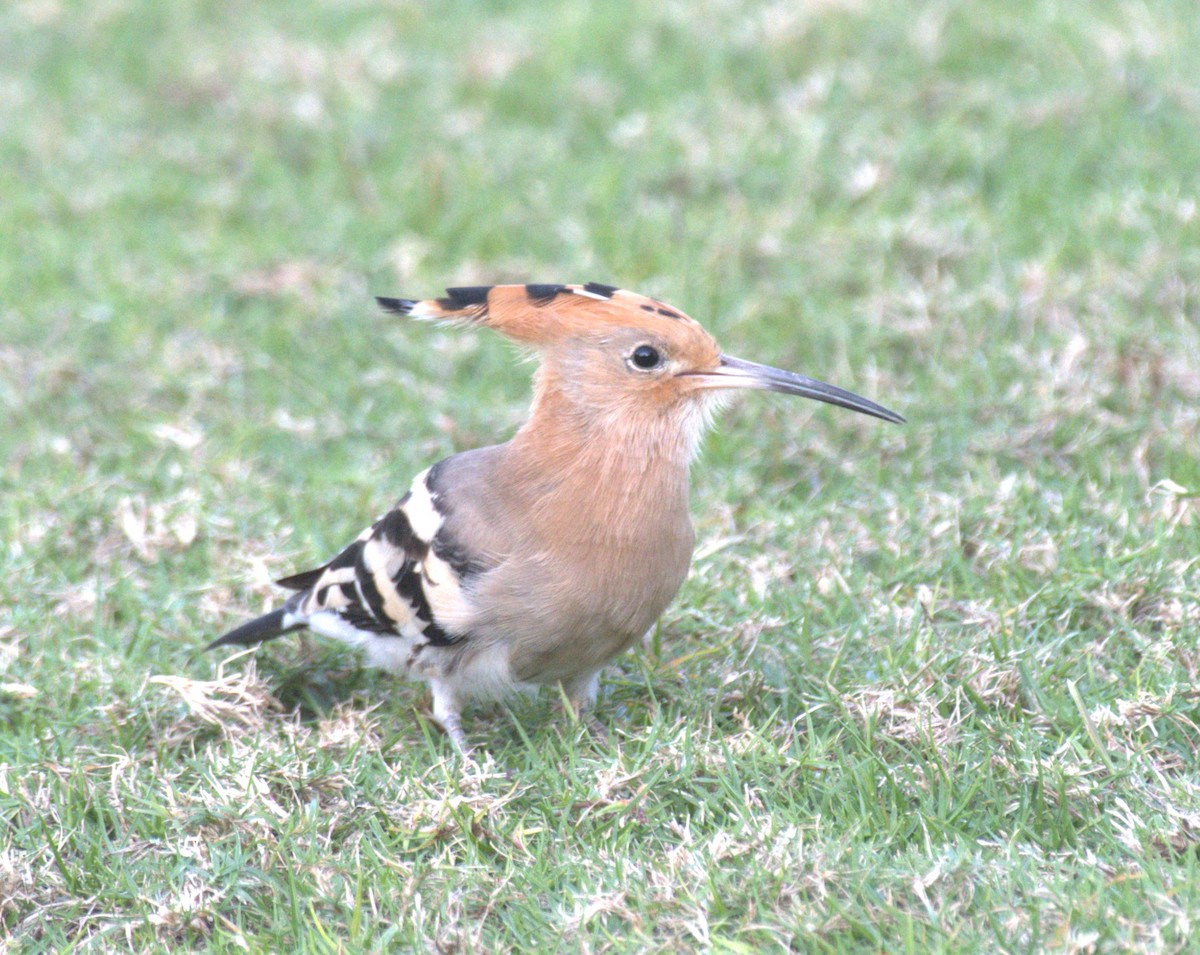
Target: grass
930, 689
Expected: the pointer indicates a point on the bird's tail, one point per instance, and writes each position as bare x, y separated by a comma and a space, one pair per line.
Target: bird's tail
259, 630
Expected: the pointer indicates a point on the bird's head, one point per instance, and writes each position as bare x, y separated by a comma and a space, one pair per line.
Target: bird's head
616, 354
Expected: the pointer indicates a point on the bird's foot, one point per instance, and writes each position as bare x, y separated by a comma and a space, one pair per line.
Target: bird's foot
446, 711
458, 738
580, 700
596, 730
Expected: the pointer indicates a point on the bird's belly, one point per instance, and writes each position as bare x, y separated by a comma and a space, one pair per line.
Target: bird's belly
578, 626
406, 653
473, 668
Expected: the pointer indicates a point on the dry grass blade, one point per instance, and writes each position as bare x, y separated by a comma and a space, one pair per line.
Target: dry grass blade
238, 700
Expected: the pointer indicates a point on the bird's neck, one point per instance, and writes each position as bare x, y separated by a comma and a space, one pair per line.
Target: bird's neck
617, 467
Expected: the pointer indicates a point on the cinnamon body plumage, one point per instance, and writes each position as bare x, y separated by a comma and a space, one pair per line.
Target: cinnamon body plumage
540, 560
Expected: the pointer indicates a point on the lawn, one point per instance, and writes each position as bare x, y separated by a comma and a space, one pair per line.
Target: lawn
929, 688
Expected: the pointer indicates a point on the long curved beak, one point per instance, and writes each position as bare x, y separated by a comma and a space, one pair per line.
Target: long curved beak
739, 373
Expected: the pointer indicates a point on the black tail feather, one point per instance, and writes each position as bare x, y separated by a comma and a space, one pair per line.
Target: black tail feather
261, 629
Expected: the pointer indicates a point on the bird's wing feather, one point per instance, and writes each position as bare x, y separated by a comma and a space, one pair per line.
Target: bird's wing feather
302, 580
400, 577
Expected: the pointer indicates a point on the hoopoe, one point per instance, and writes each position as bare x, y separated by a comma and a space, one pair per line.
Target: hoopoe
540, 560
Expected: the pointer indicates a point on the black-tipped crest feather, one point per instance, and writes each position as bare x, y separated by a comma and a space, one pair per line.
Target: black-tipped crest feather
467, 295
397, 306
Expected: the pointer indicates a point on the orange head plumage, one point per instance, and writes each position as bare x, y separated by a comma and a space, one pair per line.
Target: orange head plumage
607, 351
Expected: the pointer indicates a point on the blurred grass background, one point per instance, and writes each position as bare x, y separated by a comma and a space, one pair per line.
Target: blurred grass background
927, 689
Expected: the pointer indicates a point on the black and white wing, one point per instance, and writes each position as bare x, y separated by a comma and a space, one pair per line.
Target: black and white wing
398, 581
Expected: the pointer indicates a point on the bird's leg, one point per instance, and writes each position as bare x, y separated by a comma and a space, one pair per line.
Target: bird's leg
446, 710
581, 694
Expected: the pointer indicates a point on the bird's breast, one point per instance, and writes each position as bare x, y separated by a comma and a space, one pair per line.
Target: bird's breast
595, 543
572, 609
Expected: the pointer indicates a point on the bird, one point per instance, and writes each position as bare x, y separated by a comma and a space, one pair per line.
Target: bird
540, 560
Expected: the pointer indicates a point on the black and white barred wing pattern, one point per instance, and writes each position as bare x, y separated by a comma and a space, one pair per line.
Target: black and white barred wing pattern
390, 584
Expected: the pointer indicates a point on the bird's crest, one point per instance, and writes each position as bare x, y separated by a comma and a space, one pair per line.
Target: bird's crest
540, 314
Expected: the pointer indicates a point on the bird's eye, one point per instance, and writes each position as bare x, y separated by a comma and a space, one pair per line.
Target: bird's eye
646, 357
